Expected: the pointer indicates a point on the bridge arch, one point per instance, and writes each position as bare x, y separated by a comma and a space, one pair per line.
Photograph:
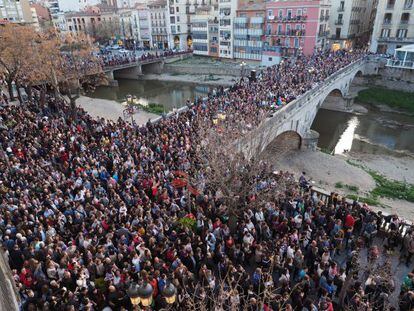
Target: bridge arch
283, 143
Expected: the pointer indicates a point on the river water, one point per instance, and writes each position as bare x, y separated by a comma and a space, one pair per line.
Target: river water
375, 132
169, 94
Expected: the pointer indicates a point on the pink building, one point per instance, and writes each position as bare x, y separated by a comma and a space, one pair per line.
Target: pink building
295, 26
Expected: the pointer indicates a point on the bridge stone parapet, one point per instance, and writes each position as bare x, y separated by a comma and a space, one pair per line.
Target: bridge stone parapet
299, 114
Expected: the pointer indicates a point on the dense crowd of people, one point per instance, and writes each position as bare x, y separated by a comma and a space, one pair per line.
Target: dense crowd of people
89, 207
123, 58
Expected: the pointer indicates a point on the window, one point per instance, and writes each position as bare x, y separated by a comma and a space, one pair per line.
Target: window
178, 28
280, 13
289, 13
299, 12
178, 19
269, 12
177, 9
279, 29
172, 10
402, 33
270, 59
385, 33
296, 42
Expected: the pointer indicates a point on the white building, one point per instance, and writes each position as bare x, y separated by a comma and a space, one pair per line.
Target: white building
11, 10
393, 27
350, 22
144, 25
227, 13
160, 24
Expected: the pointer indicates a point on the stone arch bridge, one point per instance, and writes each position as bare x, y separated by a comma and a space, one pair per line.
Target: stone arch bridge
293, 121
135, 70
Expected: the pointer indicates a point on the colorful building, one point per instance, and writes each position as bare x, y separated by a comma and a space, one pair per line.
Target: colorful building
294, 27
249, 31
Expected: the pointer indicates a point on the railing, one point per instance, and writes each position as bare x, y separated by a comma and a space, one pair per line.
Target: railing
396, 39
339, 22
291, 19
292, 32
144, 61
404, 226
341, 9
396, 63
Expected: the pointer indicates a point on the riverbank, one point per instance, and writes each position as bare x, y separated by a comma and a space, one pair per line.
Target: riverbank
336, 173
111, 110
196, 79
387, 98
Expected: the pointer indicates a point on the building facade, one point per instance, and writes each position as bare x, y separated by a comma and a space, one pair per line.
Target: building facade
100, 22
227, 13
205, 30
350, 23
160, 24
11, 11
144, 25
249, 31
393, 27
294, 27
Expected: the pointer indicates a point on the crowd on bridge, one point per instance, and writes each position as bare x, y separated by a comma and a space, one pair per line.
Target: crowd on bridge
91, 208
123, 58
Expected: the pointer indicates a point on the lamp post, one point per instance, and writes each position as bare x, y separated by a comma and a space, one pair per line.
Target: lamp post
242, 69
169, 293
133, 295
145, 294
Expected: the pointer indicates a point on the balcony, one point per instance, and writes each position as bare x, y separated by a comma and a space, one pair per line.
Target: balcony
327, 17
386, 22
255, 32
408, 6
341, 9
339, 22
291, 33
404, 22
292, 19
396, 39
323, 33
390, 6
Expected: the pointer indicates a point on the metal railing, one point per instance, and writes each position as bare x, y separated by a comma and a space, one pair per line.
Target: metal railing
404, 225
145, 61
396, 63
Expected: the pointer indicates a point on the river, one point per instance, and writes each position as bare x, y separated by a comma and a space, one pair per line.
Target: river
376, 132
169, 94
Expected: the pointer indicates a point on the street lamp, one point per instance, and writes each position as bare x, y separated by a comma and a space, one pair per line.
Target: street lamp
242, 68
145, 294
169, 292
133, 294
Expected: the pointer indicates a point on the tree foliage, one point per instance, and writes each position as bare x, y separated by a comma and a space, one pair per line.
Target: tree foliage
67, 63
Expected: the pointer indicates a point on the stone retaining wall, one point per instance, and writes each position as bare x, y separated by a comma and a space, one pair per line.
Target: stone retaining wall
202, 70
8, 293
